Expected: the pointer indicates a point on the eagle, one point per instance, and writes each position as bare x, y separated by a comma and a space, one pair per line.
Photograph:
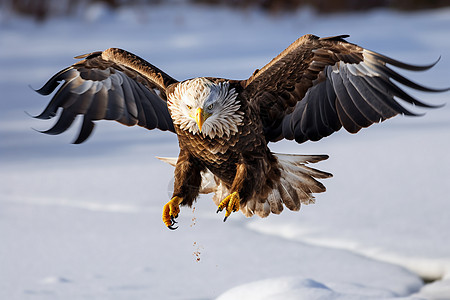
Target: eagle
312, 89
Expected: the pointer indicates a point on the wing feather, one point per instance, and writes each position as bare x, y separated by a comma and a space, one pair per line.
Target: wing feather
85, 131
372, 97
319, 85
366, 114
130, 102
109, 85
63, 123
99, 105
346, 104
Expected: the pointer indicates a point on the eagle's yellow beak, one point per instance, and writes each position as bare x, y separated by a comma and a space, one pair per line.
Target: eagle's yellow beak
200, 118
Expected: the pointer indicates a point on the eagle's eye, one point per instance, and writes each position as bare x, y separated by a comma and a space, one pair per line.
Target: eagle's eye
210, 106
188, 106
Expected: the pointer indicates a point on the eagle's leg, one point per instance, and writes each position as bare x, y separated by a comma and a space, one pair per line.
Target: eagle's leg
170, 212
186, 187
230, 204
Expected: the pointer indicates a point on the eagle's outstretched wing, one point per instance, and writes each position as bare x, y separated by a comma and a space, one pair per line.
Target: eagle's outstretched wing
317, 85
110, 85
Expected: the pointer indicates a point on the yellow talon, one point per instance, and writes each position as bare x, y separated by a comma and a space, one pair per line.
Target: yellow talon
230, 203
170, 212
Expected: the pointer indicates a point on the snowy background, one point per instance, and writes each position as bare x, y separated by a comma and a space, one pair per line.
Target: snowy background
84, 221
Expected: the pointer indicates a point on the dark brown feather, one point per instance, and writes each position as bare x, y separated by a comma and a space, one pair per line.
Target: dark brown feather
187, 177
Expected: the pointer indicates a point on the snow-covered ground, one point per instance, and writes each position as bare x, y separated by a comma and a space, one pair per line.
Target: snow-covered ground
84, 221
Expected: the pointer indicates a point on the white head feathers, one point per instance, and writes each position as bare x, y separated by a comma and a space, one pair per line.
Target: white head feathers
216, 100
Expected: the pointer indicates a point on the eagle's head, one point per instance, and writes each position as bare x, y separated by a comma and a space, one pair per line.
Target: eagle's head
205, 108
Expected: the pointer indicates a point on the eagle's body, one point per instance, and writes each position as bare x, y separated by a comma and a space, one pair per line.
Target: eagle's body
238, 158
312, 89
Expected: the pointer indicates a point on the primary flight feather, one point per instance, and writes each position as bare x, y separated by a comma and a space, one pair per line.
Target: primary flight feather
310, 90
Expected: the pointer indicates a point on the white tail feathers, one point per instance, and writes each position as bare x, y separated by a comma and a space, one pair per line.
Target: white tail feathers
170, 160
296, 185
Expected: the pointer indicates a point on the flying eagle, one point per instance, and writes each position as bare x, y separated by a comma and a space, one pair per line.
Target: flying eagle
310, 90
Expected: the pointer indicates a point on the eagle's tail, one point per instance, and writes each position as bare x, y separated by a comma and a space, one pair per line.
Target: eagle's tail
296, 185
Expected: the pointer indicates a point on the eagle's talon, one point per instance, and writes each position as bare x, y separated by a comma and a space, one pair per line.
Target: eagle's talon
230, 204
170, 212
171, 227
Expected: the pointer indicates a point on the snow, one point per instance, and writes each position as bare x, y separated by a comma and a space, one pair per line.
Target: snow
84, 221
292, 288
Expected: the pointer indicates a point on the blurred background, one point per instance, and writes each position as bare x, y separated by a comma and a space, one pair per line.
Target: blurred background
43, 9
84, 221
